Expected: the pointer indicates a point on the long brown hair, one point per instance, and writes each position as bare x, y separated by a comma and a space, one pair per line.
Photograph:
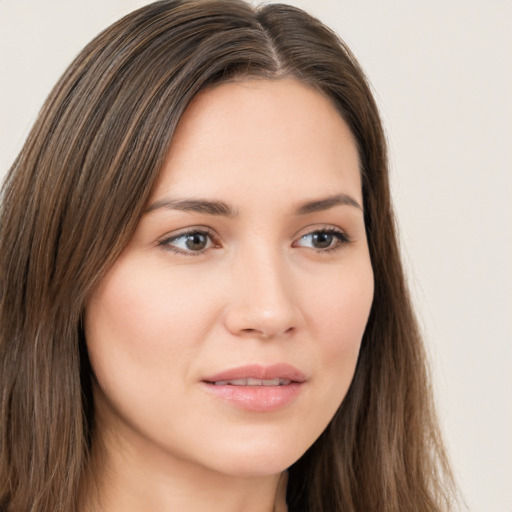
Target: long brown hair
72, 200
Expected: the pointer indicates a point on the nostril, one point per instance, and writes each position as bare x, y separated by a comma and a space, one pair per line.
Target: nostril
256, 333
262, 333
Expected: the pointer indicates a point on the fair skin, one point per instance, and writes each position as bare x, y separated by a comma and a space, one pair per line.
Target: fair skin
252, 251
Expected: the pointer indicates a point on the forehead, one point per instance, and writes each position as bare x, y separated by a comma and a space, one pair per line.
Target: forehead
244, 135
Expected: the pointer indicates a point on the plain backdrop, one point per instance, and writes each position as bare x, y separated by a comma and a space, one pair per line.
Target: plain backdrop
442, 74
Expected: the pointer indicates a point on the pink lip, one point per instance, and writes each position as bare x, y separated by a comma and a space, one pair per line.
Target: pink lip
257, 398
256, 371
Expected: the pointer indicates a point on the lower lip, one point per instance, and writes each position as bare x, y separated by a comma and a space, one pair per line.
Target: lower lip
257, 398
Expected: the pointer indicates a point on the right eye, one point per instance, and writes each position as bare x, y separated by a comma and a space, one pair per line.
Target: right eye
191, 242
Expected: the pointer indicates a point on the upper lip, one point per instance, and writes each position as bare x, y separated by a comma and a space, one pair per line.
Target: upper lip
257, 371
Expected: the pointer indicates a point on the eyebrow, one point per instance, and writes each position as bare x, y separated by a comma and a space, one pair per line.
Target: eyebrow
194, 205
327, 203
220, 208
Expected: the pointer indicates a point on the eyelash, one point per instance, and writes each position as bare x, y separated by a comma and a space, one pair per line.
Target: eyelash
342, 239
166, 243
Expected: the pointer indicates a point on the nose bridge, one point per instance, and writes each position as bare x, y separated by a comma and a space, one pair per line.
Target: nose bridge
262, 301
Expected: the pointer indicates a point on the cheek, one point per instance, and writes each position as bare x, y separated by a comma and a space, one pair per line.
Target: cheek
339, 314
138, 325
341, 306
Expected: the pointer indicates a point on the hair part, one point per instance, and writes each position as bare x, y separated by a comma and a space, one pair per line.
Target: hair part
73, 199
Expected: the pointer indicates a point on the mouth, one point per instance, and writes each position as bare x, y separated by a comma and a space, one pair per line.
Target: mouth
279, 374
252, 382
257, 388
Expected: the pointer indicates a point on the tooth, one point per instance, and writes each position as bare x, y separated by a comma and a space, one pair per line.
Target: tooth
253, 382
238, 382
234, 382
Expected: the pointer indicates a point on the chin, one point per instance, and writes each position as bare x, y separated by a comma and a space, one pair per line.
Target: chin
255, 459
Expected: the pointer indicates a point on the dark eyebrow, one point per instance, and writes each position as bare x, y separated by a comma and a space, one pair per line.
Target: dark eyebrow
193, 205
221, 208
326, 203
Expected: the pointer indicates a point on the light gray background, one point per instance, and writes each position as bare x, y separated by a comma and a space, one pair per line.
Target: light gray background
443, 79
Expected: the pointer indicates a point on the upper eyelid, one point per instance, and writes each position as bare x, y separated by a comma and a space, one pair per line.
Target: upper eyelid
212, 233
166, 241
342, 236
315, 228
173, 235
333, 231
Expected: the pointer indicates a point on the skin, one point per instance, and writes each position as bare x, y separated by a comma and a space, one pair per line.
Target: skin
262, 289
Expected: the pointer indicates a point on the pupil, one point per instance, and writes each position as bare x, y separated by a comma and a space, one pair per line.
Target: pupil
196, 242
322, 240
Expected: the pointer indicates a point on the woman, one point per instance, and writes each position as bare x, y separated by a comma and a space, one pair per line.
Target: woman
203, 306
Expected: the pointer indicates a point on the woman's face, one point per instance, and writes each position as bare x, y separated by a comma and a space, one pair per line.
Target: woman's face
227, 333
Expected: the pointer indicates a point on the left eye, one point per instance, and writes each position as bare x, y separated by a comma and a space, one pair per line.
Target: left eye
323, 240
191, 242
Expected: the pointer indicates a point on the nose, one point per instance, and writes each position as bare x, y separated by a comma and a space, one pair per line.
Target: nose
262, 301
